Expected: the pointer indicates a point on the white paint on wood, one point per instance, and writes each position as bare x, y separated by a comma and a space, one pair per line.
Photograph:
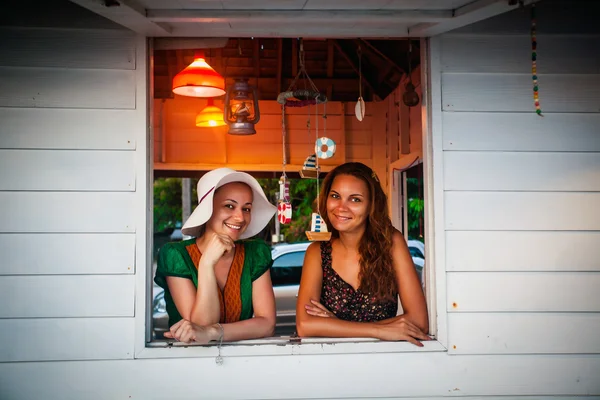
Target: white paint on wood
531, 171
513, 92
66, 296
67, 170
433, 172
130, 15
49, 339
102, 49
55, 254
523, 291
407, 375
553, 17
276, 17
142, 213
67, 88
520, 251
564, 54
521, 131
38, 128
525, 333
527, 211
67, 212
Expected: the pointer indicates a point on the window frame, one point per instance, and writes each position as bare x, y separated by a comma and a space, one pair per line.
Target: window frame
434, 273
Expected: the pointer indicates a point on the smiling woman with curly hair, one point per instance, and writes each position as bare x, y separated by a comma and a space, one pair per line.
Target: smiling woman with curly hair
350, 284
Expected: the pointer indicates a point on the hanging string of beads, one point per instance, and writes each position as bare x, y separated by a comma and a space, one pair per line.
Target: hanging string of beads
536, 95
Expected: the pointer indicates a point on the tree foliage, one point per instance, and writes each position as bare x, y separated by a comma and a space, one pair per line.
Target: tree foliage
303, 193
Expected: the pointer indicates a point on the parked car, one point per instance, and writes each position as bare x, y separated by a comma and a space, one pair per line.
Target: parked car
285, 275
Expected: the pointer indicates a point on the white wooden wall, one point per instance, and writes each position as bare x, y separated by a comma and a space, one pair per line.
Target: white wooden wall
71, 125
516, 200
520, 194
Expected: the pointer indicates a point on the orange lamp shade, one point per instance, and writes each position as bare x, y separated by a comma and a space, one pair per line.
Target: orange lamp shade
210, 116
199, 80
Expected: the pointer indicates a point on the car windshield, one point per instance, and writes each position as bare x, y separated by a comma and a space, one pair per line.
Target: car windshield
287, 269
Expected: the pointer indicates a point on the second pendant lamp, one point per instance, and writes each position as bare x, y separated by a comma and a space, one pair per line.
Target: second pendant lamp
211, 116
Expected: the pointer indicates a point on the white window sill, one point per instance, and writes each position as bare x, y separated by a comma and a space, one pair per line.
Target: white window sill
284, 346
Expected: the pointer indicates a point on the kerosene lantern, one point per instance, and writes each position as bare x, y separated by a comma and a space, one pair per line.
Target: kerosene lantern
241, 111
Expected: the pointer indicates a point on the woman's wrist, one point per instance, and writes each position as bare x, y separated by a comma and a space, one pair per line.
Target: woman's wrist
215, 331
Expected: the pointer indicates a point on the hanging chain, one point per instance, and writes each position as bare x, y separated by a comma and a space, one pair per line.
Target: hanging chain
302, 72
283, 135
359, 51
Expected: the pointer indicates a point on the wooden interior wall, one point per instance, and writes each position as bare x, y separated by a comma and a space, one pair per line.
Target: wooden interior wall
179, 145
381, 139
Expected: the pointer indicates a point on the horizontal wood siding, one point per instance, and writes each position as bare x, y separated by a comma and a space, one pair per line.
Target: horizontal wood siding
559, 54
514, 291
67, 129
69, 156
521, 193
513, 92
423, 376
522, 171
68, 212
67, 88
62, 48
68, 254
556, 250
491, 131
570, 211
66, 296
523, 333
67, 170
66, 339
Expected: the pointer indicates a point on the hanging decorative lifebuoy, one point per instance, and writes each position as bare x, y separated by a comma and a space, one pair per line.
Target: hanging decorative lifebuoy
284, 212
324, 147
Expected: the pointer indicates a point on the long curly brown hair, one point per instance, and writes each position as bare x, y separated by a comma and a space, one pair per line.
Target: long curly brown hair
377, 275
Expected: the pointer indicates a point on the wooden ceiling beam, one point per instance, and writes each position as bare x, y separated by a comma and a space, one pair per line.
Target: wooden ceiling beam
380, 54
129, 14
354, 65
296, 16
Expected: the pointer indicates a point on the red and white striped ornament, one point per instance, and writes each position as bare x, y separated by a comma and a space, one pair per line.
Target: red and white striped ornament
284, 212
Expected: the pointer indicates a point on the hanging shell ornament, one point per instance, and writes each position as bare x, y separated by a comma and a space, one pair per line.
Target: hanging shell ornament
359, 109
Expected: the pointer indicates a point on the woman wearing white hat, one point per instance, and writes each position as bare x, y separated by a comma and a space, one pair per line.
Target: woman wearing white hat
215, 285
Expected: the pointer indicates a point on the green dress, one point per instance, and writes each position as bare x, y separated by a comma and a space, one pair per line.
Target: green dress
252, 258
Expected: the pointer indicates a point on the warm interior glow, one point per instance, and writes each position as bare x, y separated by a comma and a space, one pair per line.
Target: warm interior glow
199, 80
210, 116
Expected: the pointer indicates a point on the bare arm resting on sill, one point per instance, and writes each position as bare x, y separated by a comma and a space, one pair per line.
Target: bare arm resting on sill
314, 320
261, 325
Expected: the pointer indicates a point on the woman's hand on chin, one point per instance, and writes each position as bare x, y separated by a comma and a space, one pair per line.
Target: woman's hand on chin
186, 331
216, 247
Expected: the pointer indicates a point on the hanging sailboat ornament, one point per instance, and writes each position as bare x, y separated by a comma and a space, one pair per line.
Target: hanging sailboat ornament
310, 169
359, 109
324, 148
307, 97
318, 229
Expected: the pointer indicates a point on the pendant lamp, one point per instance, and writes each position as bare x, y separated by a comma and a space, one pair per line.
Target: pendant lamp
199, 80
210, 116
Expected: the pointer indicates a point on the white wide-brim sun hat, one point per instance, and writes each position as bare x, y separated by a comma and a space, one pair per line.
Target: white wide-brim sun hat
262, 210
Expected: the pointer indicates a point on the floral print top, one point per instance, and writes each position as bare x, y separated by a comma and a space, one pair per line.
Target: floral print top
347, 303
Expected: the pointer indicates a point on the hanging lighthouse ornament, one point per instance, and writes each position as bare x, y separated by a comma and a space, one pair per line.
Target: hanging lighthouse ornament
324, 147
284, 207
